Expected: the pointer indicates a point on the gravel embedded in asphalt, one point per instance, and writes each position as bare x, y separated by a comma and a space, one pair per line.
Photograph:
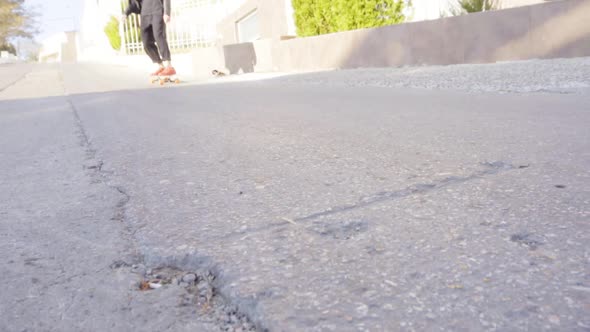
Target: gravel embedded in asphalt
555, 75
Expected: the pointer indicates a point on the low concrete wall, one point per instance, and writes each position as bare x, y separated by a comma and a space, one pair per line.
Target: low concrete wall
550, 30
557, 29
505, 4
60, 47
69, 49
205, 60
234, 58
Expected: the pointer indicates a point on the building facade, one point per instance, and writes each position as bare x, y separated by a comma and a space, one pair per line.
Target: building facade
204, 23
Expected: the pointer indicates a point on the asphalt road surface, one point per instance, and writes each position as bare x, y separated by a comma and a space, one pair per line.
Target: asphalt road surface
301, 203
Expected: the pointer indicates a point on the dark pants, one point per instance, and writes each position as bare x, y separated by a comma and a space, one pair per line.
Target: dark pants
153, 30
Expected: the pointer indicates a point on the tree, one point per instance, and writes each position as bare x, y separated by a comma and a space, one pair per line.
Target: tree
16, 21
8, 47
316, 17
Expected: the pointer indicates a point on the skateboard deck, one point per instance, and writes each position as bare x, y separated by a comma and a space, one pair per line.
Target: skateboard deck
217, 73
164, 79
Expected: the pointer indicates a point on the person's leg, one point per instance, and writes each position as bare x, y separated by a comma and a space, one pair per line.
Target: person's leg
159, 27
149, 41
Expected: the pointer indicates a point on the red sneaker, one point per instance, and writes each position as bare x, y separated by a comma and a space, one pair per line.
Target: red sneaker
158, 72
168, 71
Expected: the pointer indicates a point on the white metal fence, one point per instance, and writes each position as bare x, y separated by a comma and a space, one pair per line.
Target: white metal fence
193, 24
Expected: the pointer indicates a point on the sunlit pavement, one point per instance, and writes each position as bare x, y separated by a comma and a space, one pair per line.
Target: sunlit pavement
300, 203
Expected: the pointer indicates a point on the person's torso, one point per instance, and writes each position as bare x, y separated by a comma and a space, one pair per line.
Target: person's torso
152, 7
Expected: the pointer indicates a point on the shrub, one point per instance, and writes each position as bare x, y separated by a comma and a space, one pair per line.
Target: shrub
473, 6
112, 32
316, 17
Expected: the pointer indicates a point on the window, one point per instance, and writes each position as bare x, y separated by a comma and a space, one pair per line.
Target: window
248, 29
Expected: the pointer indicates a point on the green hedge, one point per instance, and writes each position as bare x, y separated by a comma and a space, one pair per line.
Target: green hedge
474, 6
316, 17
112, 32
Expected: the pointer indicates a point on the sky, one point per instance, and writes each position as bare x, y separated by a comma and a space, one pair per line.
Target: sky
56, 15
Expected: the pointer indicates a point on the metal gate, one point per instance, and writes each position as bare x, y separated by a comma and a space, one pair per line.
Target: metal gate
193, 24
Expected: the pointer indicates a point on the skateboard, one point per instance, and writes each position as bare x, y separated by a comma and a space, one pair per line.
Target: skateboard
164, 79
217, 73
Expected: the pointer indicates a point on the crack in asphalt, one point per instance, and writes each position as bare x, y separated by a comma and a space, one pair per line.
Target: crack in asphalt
95, 168
192, 262
226, 306
491, 168
421, 188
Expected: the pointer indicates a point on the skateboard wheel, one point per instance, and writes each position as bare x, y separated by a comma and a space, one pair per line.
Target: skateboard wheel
177, 81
